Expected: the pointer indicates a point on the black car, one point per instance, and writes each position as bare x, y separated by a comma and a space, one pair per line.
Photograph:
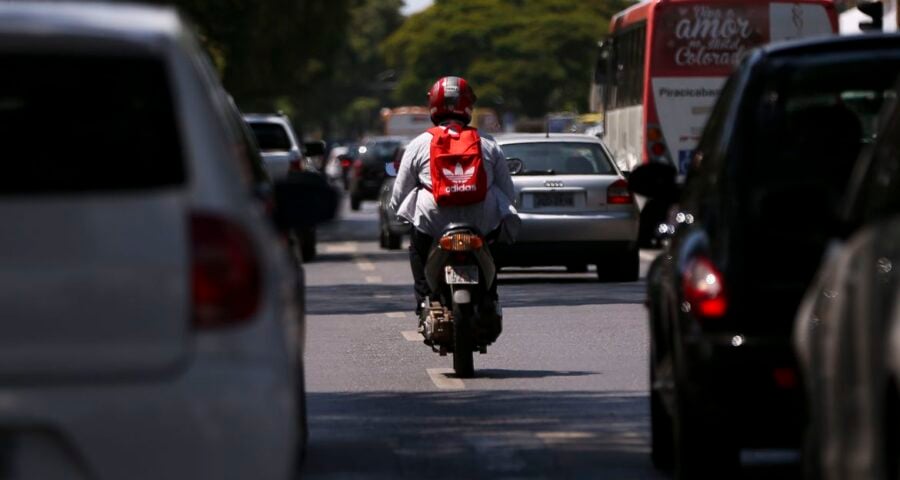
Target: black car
753, 219
391, 229
367, 173
847, 332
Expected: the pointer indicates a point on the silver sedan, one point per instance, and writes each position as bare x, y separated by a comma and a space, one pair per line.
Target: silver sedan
575, 206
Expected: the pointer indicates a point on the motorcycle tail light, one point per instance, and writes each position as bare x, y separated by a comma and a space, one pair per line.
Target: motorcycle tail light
461, 242
704, 289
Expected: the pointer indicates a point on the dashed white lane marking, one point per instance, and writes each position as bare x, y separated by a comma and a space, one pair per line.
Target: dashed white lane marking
342, 247
365, 265
382, 296
373, 279
396, 314
441, 380
563, 436
649, 255
412, 336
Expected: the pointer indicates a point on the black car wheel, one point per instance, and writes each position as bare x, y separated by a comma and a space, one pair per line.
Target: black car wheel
623, 267
308, 244
661, 451
698, 451
355, 203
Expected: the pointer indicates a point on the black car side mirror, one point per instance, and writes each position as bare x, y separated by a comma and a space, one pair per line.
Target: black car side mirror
303, 199
314, 149
653, 180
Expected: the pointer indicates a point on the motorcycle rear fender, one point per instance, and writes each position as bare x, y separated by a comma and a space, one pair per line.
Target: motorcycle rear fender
437, 258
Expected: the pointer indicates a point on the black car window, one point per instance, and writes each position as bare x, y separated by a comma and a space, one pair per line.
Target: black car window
563, 158
814, 118
81, 123
880, 190
271, 137
380, 151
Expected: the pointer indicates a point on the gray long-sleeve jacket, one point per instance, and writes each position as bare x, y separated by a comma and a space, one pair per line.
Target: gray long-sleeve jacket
413, 201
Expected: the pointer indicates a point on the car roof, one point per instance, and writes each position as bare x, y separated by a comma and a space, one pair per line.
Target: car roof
51, 20
543, 137
266, 117
869, 42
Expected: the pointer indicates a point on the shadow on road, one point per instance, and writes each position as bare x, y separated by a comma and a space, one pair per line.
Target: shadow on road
499, 373
361, 299
475, 435
488, 435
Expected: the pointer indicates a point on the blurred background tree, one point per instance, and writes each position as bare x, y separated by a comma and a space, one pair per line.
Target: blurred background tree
333, 64
528, 57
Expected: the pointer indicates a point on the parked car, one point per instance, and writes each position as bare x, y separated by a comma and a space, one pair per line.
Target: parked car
283, 155
150, 327
752, 223
575, 207
390, 228
278, 143
847, 333
368, 168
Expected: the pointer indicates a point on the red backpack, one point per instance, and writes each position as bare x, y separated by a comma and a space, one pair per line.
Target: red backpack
457, 167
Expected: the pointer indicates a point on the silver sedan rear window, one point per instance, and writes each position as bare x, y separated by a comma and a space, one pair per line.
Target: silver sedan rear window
560, 158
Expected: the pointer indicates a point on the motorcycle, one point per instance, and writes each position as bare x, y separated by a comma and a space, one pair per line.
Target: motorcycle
463, 316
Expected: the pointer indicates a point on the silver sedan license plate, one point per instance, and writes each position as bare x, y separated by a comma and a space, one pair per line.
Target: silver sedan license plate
554, 199
461, 274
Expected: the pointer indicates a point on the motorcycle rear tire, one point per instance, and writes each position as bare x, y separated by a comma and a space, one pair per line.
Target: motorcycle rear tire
463, 341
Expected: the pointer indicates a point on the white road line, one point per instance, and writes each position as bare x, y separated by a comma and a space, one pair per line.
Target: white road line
364, 264
412, 335
342, 247
563, 436
373, 279
382, 296
441, 380
649, 255
396, 314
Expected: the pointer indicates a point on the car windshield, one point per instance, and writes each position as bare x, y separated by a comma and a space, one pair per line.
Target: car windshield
271, 136
110, 122
561, 158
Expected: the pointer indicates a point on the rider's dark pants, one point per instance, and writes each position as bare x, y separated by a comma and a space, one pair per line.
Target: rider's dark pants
419, 246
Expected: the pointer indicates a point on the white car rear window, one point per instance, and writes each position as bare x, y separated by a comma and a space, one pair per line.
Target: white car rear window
82, 123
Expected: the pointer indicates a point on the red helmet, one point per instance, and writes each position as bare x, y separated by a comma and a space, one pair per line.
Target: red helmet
451, 98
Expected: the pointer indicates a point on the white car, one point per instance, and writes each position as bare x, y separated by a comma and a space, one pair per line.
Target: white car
150, 316
281, 151
575, 207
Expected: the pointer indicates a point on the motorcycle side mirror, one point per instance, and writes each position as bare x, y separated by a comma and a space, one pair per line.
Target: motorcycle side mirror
390, 168
515, 165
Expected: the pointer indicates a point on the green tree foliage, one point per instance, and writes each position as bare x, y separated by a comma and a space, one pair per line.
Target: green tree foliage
524, 56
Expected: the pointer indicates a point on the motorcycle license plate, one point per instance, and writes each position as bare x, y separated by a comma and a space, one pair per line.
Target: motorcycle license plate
461, 274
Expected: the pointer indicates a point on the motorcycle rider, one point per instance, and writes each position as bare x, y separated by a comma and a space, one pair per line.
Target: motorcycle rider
451, 100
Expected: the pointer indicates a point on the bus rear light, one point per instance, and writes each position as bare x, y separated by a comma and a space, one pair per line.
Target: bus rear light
658, 149
654, 134
704, 289
618, 194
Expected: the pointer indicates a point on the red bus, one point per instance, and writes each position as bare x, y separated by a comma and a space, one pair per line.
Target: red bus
665, 61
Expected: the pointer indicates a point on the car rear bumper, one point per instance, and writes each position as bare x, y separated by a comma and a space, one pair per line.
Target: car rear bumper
226, 421
750, 392
612, 226
535, 254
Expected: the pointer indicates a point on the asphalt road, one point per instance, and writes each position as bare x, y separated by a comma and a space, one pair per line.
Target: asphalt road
563, 393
